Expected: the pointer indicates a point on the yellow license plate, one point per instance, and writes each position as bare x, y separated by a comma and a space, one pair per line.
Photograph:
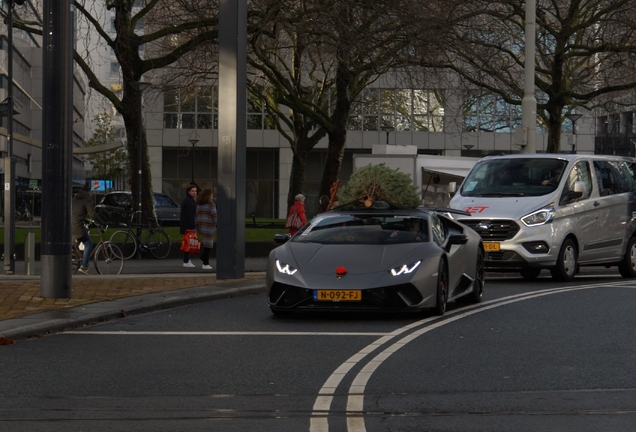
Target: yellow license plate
338, 295
491, 247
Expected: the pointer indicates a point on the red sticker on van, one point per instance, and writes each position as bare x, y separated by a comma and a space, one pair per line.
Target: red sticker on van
475, 209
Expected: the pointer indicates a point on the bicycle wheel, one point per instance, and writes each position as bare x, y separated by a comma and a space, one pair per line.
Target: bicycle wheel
126, 242
108, 259
158, 243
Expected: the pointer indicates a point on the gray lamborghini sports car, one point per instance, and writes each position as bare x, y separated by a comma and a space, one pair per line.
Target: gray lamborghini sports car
376, 259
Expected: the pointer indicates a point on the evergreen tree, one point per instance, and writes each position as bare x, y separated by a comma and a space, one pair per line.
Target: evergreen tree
380, 183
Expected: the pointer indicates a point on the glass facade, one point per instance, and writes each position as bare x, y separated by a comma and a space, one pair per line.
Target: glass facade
261, 178
190, 108
404, 109
489, 113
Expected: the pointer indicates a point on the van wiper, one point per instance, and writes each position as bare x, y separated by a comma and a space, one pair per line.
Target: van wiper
502, 194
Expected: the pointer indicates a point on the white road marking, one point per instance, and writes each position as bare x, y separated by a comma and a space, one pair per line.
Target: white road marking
221, 333
355, 402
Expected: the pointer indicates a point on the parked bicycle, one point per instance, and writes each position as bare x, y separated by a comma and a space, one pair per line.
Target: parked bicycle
23, 216
107, 257
146, 238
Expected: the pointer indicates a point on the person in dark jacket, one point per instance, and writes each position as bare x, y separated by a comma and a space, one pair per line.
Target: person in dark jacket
83, 209
206, 224
186, 221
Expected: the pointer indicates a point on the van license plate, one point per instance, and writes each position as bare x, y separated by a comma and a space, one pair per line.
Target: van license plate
491, 247
338, 295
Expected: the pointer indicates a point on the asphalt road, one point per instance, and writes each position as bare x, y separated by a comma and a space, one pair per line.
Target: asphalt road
534, 356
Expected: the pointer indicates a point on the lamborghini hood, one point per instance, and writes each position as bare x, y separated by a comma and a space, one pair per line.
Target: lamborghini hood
356, 259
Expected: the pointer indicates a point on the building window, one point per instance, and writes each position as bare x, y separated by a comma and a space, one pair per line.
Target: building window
261, 178
18, 128
257, 116
490, 113
403, 109
19, 95
190, 108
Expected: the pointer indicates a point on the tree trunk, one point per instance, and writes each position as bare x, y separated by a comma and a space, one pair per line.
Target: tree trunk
131, 122
297, 177
555, 120
338, 135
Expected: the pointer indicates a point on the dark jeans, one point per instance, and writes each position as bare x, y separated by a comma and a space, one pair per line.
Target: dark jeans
205, 255
186, 257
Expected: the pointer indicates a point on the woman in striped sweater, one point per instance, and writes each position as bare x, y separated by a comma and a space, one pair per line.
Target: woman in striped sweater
206, 225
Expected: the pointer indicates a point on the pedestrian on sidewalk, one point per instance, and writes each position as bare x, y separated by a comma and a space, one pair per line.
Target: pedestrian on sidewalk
82, 210
296, 217
186, 220
205, 222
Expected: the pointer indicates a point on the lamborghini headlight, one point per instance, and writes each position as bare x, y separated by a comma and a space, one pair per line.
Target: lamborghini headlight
285, 268
539, 217
405, 269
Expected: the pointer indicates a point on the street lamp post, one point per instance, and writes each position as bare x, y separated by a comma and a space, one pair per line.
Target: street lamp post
529, 102
388, 130
573, 118
9, 165
140, 87
193, 142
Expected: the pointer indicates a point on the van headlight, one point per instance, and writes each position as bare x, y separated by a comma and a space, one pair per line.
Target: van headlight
539, 217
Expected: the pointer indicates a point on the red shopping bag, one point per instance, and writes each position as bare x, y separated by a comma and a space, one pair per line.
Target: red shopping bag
190, 242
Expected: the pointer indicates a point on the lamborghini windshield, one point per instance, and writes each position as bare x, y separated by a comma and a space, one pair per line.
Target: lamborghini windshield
513, 177
353, 229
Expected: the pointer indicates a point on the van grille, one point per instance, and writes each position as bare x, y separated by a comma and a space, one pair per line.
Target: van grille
493, 230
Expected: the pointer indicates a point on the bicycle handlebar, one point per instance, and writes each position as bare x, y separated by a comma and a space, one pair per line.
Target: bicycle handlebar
96, 224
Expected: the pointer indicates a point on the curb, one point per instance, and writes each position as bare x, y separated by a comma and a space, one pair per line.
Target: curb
54, 321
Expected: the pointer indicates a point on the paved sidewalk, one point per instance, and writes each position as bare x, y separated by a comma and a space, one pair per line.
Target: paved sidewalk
155, 284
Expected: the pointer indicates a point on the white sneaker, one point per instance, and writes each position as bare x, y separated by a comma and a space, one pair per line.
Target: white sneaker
206, 267
189, 264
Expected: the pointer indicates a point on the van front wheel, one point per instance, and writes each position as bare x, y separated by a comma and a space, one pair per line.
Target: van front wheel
627, 267
565, 268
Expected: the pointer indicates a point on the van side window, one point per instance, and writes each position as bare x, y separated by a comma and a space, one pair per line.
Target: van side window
608, 178
627, 174
580, 172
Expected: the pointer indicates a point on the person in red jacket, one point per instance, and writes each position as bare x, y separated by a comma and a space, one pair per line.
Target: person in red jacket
296, 217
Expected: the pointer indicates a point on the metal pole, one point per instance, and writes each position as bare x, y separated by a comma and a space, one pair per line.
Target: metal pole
529, 102
57, 148
140, 142
573, 118
140, 87
193, 142
232, 137
9, 164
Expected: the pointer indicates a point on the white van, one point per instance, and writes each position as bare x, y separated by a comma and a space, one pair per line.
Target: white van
552, 211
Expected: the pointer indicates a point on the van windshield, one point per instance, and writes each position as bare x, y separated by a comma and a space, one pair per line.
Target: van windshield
513, 177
